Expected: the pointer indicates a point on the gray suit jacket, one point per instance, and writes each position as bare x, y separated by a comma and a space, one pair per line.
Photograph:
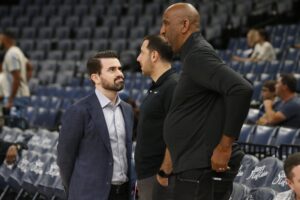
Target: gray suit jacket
84, 150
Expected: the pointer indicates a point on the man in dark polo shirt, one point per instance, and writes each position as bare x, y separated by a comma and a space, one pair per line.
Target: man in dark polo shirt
151, 156
209, 106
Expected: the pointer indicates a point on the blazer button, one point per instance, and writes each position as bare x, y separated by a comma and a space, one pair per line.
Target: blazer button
107, 183
110, 163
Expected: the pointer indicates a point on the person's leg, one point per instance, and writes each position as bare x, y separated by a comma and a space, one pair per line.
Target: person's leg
145, 188
194, 185
163, 193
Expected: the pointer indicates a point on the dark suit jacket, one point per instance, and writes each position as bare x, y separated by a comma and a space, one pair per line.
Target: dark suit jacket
84, 150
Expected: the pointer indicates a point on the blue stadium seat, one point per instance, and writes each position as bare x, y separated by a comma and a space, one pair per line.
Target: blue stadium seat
62, 32
119, 32
287, 66
27, 45
44, 45
263, 135
285, 136
263, 193
36, 171
118, 45
37, 55
253, 115
65, 11
264, 172
65, 45
135, 10
257, 91
15, 179
83, 33
272, 68
98, 10
48, 182
73, 55
81, 10
239, 192
279, 183
247, 165
29, 33
55, 55
101, 33
72, 21
45, 33
49, 10
22, 21
82, 45
39, 22
128, 21
89, 21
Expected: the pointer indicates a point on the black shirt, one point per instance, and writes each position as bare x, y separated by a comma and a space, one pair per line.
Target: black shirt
209, 100
150, 146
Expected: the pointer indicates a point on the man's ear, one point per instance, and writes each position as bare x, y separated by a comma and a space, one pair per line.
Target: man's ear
290, 183
95, 78
185, 25
154, 56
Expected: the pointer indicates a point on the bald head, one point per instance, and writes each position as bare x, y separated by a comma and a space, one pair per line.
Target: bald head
186, 10
180, 20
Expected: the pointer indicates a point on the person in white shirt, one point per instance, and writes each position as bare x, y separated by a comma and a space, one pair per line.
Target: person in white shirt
16, 69
263, 49
292, 172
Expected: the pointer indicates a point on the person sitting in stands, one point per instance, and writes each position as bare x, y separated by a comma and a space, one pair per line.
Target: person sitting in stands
263, 49
287, 111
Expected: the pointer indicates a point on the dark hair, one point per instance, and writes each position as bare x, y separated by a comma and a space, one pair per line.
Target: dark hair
263, 34
2, 55
8, 33
291, 162
159, 44
270, 84
94, 65
290, 81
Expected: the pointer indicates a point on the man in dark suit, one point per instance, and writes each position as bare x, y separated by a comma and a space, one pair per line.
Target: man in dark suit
94, 149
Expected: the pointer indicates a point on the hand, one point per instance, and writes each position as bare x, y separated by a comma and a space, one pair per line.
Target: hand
262, 121
268, 103
162, 181
9, 104
220, 158
11, 154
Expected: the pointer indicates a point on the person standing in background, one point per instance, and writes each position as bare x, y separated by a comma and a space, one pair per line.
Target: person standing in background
151, 154
94, 145
210, 104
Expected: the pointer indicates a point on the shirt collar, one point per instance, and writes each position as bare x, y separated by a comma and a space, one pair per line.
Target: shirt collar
188, 44
104, 101
162, 78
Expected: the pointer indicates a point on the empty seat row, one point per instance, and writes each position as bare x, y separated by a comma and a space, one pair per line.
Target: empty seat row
267, 135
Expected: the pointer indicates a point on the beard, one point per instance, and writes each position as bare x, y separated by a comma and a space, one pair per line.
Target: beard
117, 85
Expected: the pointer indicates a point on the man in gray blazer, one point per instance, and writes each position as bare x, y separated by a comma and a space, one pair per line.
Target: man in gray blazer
94, 149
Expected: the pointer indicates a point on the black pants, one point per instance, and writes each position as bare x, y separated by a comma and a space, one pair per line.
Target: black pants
203, 184
119, 192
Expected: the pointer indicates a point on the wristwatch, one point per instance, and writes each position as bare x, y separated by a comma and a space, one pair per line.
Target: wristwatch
163, 174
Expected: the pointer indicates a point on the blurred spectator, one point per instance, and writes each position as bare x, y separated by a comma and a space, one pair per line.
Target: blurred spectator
9, 151
16, 70
251, 43
267, 92
2, 53
292, 172
263, 49
287, 111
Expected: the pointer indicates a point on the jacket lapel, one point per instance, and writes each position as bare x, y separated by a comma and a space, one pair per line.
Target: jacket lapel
99, 120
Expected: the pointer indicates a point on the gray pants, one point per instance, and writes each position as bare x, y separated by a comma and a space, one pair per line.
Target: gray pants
150, 189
